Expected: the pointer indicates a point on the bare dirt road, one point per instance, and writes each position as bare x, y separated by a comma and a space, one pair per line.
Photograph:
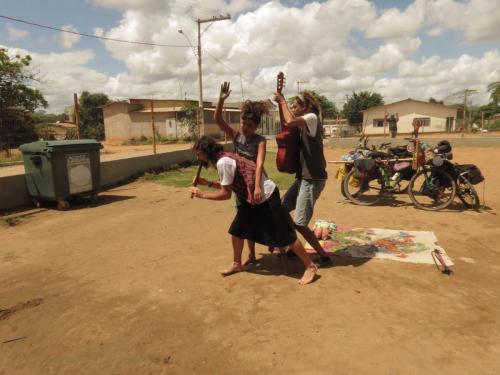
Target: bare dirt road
130, 286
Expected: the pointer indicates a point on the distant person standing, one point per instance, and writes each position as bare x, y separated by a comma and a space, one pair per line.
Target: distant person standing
393, 124
416, 127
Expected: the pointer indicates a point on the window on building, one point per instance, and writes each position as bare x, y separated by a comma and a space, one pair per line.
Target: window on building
378, 123
424, 121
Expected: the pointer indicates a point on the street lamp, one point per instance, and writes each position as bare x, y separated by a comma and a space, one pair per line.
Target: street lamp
188, 40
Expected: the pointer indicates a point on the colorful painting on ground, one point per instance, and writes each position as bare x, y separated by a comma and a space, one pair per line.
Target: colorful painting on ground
400, 245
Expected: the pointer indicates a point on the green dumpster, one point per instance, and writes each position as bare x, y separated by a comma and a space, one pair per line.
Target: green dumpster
59, 170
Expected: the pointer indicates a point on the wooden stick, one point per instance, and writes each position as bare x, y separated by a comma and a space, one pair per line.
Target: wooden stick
385, 118
77, 115
197, 175
153, 126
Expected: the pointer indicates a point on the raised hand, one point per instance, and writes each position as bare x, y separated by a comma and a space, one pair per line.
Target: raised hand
278, 97
224, 91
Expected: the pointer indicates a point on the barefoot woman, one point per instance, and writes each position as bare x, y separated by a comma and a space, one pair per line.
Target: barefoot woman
264, 222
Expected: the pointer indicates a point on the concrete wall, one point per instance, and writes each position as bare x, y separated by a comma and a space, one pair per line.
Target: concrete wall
407, 111
116, 121
14, 193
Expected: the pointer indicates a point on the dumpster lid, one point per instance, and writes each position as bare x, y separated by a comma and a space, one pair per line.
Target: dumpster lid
40, 146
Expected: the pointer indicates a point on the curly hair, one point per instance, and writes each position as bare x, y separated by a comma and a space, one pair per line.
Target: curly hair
209, 147
253, 110
307, 100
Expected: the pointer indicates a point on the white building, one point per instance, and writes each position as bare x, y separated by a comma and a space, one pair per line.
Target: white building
433, 117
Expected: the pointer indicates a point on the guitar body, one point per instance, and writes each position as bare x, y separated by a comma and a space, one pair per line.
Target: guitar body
288, 140
287, 157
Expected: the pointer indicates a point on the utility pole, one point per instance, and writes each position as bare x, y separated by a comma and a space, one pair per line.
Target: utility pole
453, 98
241, 85
298, 85
77, 115
200, 80
464, 112
153, 128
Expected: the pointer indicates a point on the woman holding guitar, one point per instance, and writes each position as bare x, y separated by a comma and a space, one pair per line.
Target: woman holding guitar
310, 178
247, 143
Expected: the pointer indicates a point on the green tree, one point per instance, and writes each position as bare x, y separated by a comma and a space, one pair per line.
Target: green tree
17, 100
435, 101
494, 89
41, 117
358, 102
15, 81
328, 108
91, 117
189, 119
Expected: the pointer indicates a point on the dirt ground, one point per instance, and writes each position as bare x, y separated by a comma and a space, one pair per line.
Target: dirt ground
130, 286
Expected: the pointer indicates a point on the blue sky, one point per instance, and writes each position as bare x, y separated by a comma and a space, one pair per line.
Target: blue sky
372, 53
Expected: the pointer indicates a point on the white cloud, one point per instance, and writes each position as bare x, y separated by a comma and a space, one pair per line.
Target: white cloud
148, 6
67, 40
396, 24
440, 78
98, 31
479, 20
435, 31
15, 33
312, 42
62, 74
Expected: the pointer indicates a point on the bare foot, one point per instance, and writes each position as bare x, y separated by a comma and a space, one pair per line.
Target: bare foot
234, 268
250, 260
308, 275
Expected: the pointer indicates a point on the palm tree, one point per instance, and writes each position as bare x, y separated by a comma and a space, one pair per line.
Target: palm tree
494, 89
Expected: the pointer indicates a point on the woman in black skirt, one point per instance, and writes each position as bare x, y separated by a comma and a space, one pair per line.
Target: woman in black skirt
266, 222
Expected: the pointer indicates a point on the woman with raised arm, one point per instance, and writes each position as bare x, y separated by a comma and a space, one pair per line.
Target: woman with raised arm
264, 222
247, 143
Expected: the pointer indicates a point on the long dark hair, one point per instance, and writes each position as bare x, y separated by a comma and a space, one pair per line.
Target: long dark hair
209, 147
307, 100
253, 110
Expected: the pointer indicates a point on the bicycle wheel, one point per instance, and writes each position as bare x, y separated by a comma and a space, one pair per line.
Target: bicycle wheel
432, 189
342, 190
400, 186
467, 193
363, 192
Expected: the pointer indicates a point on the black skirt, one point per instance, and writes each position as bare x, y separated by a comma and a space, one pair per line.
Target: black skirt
266, 223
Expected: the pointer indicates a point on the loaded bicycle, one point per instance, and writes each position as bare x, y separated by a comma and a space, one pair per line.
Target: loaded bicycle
385, 173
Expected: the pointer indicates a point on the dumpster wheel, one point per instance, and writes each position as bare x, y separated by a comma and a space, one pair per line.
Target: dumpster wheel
36, 202
62, 204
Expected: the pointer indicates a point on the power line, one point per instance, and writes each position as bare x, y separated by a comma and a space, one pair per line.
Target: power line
233, 71
90, 35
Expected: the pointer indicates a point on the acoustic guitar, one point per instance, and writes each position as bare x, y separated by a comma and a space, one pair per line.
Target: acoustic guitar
288, 140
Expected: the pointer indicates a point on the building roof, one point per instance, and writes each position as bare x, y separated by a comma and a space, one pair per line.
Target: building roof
406, 100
